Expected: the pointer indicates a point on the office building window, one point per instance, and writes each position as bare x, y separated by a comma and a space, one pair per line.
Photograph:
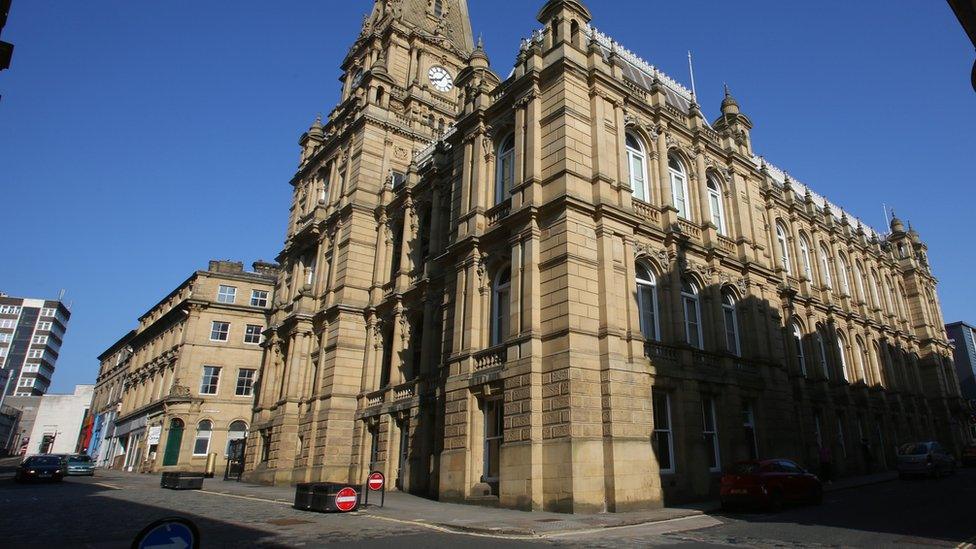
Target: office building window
44, 326
252, 334
39, 340
749, 428
219, 330
259, 298
201, 444
226, 294
647, 302
210, 381
245, 382
663, 441
637, 161
710, 434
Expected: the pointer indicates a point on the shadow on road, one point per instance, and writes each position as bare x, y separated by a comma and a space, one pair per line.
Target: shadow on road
71, 513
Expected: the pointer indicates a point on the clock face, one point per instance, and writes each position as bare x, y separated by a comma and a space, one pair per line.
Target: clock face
441, 79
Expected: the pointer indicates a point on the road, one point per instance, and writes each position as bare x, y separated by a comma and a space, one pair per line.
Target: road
108, 510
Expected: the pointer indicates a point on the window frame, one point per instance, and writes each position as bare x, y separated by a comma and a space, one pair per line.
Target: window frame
826, 276
225, 296
805, 258
215, 331
247, 333
198, 436
782, 238
214, 380
504, 168
259, 301
692, 298
645, 285
796, 331
730, 311
708, 412
249, 382
501, 310
639, 186
679, 179
715, 200
668, 431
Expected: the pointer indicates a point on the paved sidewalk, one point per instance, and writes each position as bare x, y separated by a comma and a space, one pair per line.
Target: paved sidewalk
453, 517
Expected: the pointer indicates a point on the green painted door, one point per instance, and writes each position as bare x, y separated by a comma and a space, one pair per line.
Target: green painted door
173, 441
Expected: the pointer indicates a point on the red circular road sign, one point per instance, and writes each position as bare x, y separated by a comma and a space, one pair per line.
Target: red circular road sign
375, 481
346, 499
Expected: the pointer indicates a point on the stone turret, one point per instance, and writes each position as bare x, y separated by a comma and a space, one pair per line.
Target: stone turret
733, 126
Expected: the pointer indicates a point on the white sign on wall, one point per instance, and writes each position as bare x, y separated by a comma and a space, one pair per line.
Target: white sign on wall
153, 436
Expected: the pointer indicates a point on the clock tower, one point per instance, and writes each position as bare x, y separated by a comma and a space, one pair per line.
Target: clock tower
330, 314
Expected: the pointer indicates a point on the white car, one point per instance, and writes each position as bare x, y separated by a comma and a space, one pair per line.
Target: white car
925, 458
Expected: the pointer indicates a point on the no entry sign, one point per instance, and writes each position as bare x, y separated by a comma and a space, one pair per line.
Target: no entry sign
346, 499
376, 481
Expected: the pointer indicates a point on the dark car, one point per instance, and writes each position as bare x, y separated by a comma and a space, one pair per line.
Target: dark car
769, 483
80, 464
42, 467
969, 456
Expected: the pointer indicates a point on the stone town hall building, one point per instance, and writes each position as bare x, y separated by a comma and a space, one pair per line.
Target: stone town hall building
569, 290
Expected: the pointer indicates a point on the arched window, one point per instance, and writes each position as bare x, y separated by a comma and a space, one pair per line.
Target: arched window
784, 247
842, 353
438, 8
505, 175
845, 276
828, 280
715, 204
679, 186
859, 280
801, 359
501, 306
805, 257
379, 94
637, 161
875, 300
201, 444
891, 299
692, 307
647, 303
822, 348
731, 323
236, 431
861, 357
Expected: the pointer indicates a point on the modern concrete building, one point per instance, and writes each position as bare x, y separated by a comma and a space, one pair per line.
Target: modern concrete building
963, 337
175, 390
58, 422
569, 290
31, 335
18, 422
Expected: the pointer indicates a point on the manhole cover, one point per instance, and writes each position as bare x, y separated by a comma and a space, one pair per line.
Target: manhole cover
288, 522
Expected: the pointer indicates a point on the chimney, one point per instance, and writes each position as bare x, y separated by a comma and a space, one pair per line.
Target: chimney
227, 267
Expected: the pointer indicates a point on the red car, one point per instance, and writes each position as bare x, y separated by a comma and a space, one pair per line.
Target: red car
769, 483
969, 456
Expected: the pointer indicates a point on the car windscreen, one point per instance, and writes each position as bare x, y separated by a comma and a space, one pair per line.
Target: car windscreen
79, 459
43, 461
744, 469
914, 449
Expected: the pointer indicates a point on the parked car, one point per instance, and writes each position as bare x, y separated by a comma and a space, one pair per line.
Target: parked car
969, 456
40, 467
80, 464
769, 483
924, 458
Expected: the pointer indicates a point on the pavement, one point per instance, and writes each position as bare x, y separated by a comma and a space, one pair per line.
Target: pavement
110, 508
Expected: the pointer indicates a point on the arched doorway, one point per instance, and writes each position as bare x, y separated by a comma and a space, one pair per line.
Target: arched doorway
173, 441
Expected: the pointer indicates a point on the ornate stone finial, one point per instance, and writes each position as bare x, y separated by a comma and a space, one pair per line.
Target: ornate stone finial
913, 234
315, 130
897, 227
478, 57
729, 104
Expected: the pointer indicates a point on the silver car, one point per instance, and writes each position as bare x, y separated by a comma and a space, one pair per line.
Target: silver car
80, 464
925, 458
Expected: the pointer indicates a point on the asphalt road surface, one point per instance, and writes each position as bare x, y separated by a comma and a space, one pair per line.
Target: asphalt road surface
108, 512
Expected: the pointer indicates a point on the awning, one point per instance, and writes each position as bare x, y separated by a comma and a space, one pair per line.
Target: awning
129, 426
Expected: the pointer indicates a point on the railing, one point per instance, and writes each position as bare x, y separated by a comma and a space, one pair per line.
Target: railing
726, 244
689, 228
647, 212
375, 398
497, 213
655, 350
490, 358
704, 359
405, 391
637, 90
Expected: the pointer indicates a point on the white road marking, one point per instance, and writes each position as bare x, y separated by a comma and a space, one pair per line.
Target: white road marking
107, 485
279, 502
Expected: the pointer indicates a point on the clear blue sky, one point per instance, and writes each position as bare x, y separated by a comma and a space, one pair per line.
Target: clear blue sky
140, 139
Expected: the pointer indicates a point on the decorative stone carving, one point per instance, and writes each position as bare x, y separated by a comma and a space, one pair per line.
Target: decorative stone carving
179, 390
